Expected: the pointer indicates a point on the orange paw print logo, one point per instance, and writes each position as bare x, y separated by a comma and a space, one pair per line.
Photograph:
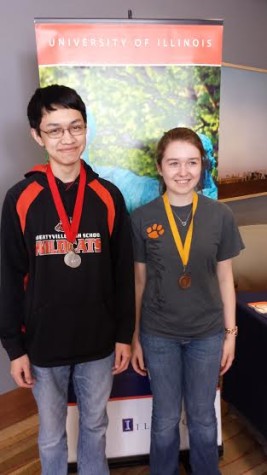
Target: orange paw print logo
155, 231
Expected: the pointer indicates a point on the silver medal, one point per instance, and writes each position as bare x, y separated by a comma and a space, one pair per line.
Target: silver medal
72, 259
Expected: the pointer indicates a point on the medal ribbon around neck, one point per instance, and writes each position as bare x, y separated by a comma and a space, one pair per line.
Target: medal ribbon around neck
183, 250
70, 229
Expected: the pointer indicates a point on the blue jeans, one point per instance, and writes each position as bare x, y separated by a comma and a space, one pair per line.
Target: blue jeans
92, 383
183, 369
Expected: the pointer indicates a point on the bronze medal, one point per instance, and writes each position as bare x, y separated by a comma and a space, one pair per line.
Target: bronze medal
185, 281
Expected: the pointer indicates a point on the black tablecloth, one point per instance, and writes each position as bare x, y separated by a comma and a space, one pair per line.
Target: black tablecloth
245, 384
128, 384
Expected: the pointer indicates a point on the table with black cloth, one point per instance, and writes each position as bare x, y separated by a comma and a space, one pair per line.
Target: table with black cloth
245, 384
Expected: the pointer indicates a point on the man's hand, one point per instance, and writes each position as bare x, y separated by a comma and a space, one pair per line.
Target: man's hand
122, 358
21, 372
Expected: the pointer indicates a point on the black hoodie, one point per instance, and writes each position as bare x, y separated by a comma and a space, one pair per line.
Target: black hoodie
56, 314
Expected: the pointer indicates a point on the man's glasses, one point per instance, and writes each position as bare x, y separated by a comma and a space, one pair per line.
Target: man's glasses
58, 132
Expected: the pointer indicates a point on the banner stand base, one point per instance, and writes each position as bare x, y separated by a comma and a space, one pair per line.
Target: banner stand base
142, 460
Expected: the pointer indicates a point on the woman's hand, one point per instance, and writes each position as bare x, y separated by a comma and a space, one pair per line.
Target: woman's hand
228, 353
137, 356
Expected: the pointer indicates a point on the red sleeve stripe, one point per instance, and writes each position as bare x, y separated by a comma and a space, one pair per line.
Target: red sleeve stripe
26, 280
106, 197
25, 200
39, 168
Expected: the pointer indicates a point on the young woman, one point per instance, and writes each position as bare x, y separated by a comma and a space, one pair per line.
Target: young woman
185, 304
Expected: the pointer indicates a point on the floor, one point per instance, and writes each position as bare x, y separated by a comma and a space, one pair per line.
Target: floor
242, 455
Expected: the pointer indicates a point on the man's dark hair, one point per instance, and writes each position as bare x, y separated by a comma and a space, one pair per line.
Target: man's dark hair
49, 99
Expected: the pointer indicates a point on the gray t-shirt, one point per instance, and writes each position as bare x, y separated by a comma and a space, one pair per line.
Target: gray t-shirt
168, 310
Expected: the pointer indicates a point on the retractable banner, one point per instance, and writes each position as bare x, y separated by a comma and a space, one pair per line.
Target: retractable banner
138, 79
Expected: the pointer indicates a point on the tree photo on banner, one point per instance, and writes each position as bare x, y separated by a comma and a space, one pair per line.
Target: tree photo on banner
138, 80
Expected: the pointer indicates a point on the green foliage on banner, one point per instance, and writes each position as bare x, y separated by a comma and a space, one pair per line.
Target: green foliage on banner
129, 108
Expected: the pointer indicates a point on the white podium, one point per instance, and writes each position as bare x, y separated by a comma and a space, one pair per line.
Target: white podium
128, 432
129, 411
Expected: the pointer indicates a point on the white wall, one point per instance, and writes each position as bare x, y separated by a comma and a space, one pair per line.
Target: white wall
245, 35
243, 122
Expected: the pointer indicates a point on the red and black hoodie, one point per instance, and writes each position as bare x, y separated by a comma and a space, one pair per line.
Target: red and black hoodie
56, 314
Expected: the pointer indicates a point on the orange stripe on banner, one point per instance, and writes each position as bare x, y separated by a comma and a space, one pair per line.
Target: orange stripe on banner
119, 43
126, 398
106, 197
25, 200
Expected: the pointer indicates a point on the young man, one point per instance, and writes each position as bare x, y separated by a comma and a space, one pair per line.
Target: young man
67, 285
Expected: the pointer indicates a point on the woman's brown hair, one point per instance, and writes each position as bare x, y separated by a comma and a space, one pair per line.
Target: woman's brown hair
182, 134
